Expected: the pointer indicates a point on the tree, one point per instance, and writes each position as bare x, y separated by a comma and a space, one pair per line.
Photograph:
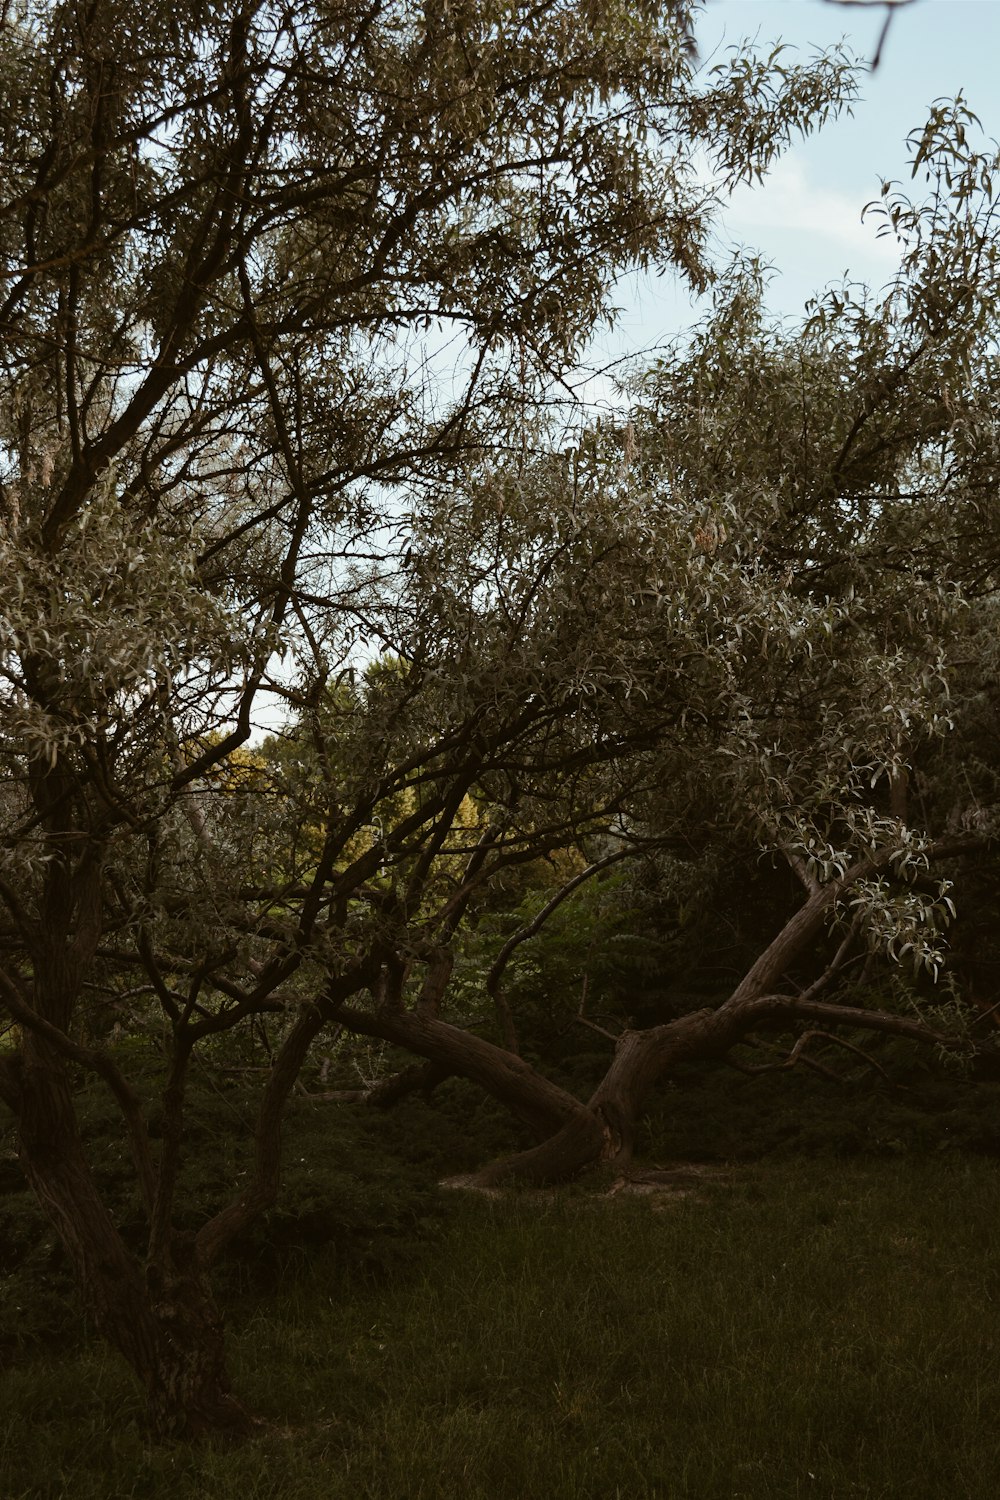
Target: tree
698, 627
237, 458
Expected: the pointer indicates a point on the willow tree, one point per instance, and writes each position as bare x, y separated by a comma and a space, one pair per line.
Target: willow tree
754, 613
235, 241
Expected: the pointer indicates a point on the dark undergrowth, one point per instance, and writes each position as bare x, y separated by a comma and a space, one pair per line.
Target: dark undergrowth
796, 1329
818, 1320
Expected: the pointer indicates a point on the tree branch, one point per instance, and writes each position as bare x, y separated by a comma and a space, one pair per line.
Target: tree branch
504, 1014
95, 1062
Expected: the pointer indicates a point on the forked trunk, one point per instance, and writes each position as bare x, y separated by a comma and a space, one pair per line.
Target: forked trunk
603, 1131
165, 1323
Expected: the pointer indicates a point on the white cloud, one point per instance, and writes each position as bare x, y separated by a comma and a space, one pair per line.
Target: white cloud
788, 205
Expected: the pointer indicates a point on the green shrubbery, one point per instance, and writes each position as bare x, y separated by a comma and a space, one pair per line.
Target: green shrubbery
716, 1113
351, 1192
788, 1331
360, 1184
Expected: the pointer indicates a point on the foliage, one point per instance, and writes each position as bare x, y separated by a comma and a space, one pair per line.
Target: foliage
241, 463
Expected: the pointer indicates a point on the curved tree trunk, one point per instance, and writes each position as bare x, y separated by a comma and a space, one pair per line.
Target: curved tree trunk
574, 1135
580, 1144
577, 1136
604, 1131
644, 1058
528, 1094
164, 1323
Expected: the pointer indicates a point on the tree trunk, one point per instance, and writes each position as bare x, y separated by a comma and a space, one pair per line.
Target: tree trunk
577, 1136
604, 1131
187, 1386
581, 1143
528, 1094
165, 1323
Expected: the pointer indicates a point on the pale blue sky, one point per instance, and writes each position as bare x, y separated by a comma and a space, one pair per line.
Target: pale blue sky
806, 218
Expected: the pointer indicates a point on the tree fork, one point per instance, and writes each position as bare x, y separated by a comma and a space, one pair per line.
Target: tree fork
164, 1324
605, 1131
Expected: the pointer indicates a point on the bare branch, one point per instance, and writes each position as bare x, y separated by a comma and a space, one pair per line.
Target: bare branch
798, 1054
529, 930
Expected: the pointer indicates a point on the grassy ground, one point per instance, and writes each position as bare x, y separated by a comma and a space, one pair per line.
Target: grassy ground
801, 1329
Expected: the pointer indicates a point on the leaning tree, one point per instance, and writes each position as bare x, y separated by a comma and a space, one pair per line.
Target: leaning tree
753, 611
274, 281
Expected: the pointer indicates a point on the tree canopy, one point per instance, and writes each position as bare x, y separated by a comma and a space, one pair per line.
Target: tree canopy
286, 293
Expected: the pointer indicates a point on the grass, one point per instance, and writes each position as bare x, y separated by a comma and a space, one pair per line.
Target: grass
804, 1329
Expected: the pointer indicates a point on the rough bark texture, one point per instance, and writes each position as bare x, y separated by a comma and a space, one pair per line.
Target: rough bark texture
603, 1130
163, 1323
189, 1394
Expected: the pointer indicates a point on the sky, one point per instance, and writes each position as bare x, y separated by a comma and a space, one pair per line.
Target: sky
806, 217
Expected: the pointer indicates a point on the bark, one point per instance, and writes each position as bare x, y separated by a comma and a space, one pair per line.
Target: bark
581, 1143
604, 1133
541, 1104
188, 1390
262, 1190
642, 1059
164, 1323
574, 1135
603, 1130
